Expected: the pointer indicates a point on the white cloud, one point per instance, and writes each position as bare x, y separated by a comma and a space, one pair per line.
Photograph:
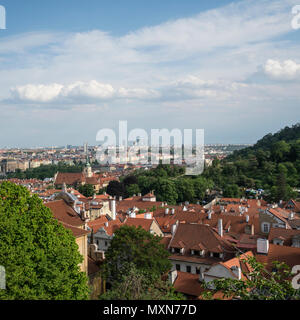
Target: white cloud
286, 70
38, 93
91, 89
77, 91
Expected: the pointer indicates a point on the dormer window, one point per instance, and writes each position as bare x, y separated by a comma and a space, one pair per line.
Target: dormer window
278, 241
176, 250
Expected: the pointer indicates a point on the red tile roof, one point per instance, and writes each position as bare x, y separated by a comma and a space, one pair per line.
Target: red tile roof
69, 178
288, 255
64, 213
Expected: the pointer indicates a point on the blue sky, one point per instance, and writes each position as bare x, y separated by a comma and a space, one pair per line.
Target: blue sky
115, 16
69, 68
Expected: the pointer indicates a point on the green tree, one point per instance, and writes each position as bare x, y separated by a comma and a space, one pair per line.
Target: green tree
40, 256
165, 190
185, 190
87, 190
231, 191
116, 188
135, 285
137, 246
280, 150
132, 189
259, 285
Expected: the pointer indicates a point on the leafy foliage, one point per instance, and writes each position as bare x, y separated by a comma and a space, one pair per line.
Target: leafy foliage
169, 182
272, 164
135, 285
139, 247
45, 171
259, 285
40, 256
87, 190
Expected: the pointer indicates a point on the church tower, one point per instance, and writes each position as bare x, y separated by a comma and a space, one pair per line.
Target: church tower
88, 170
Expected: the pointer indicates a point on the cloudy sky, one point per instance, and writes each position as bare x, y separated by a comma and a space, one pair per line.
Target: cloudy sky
70, 68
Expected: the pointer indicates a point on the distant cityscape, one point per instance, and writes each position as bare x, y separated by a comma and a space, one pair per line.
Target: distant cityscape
13, 159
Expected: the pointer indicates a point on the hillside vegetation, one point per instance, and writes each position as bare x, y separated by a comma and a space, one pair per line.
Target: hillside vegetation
272, 164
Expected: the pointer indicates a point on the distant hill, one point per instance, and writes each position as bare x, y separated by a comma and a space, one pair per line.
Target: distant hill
272, 164
288, 134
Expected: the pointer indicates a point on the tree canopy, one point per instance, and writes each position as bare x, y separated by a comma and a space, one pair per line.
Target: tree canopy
136, 285
40, 256
137, 246
87, 190
272, 164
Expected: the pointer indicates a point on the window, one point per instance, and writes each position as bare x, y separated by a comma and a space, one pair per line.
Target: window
197, 270
216, 255
266, 227
178, 267
188, 269
105, 243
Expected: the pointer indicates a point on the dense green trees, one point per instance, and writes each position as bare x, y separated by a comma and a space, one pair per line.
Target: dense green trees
272, 164
137, 246
116, 188
40, 256
87, 190
46, 171
136, 266
135, 285
168, 181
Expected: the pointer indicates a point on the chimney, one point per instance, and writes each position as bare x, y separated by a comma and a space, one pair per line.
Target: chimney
184, 208
237, 272
120, 198
139, 194
262, 246
291, 215
173, 211
252, 230
167, 211
247, 218
106, 224
132, 214
258, 203
173, 228
94, 196
201, 274
148, 215
209, 215
220, 227
113, 209
172, 276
